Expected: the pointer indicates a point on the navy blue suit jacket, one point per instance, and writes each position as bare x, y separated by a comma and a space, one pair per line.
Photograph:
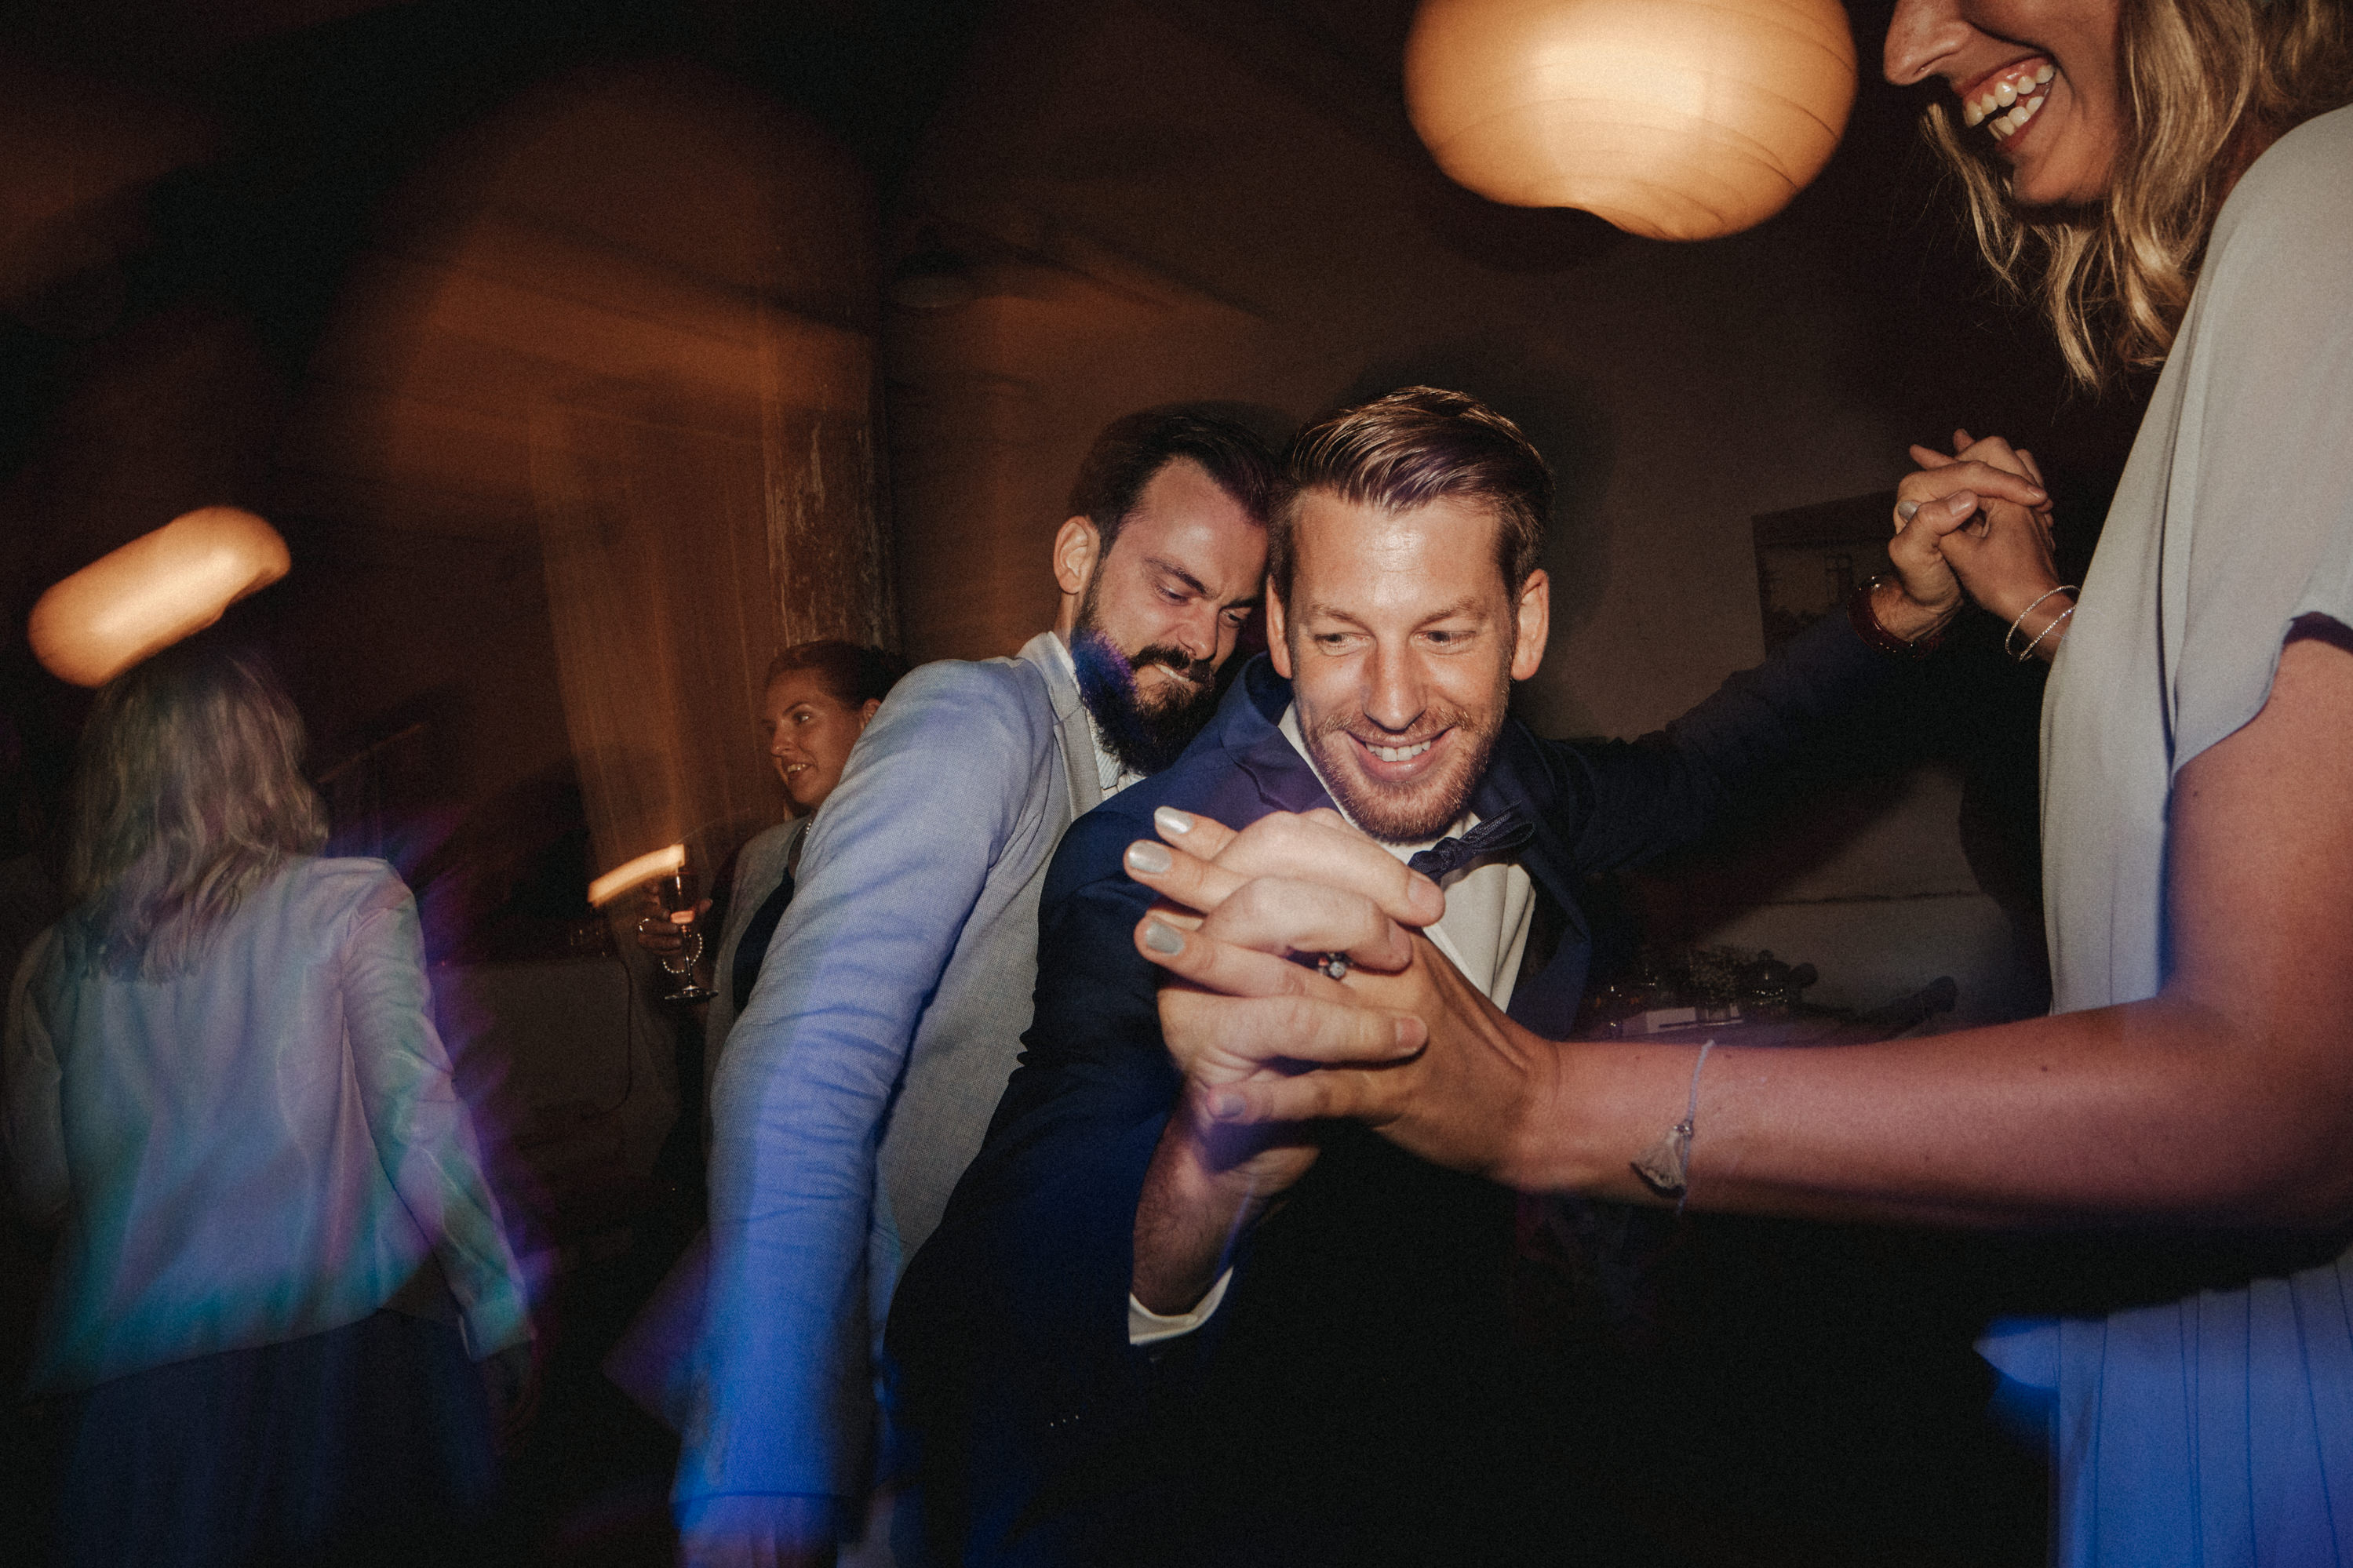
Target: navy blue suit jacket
1353, 1387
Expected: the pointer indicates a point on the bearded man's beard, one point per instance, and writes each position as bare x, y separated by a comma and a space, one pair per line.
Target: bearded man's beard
1143, 735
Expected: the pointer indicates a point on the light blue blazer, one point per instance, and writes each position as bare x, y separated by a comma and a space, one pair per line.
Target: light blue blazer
857, 1084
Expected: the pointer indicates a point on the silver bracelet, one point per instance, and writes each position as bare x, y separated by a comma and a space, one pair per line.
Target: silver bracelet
1666, 1166
2011, 635
2055, 623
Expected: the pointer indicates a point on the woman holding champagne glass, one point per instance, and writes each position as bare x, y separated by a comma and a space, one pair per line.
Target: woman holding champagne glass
819, 699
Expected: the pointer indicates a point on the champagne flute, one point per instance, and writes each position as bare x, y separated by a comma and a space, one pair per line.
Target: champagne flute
676, 894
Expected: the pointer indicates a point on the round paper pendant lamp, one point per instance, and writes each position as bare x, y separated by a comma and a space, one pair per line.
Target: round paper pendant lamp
1672, 119
155, 590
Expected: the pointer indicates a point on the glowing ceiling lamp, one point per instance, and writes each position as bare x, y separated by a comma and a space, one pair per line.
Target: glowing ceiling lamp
1672, 119
161, 586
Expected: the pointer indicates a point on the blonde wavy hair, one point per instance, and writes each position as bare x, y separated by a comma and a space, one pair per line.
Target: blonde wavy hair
189, 796
2208, 85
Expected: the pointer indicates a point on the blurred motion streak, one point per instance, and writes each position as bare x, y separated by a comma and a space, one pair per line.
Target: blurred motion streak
644, 869
82, 154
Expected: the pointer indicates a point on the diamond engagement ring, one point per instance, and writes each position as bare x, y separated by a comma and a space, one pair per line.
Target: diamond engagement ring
1334, 964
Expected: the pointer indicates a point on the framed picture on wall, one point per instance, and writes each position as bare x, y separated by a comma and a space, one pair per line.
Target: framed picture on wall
1811, 557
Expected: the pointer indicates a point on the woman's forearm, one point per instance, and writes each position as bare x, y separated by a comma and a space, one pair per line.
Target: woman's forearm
2163, 1108
2228, 1099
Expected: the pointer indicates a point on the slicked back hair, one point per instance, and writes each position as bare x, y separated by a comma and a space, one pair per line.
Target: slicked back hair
1135, 447
1417, 446
852, 675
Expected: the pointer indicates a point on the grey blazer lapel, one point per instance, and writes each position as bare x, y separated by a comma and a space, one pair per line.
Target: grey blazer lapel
1070, 725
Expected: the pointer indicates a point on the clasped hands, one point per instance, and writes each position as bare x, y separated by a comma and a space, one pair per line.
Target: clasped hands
1977, 519
1403, 1043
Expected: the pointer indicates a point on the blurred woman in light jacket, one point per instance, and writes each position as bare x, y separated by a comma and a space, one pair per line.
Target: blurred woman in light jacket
278, 1255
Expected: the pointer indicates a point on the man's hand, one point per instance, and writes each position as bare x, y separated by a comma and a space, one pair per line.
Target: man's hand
1211, 1177
1468, 1100
657, 931
1278, 1044
511, 1380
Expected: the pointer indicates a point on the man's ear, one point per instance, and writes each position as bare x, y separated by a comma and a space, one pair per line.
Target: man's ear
1278, 644
1077, 553
873, 705
1534, 625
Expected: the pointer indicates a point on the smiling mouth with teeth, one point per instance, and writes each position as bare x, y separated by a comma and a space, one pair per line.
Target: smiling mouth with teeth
1399, 753
2005, 104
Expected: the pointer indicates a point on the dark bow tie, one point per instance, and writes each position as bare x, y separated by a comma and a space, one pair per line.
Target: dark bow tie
1504, 834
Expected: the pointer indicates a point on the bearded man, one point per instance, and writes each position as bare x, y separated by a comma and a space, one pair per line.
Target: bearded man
1141, 1335
886, 1017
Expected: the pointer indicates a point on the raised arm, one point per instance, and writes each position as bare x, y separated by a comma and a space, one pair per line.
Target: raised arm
1642, 798
1211, 1180
2004, 560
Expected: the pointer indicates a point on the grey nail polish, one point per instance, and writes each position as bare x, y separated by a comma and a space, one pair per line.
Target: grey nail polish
1168, 819
1161, 937
1147, 856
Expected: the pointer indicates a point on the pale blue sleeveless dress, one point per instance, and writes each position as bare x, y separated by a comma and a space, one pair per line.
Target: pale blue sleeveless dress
2217, 1430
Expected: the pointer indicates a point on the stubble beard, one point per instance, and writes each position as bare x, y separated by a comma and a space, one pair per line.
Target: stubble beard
1425, 809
